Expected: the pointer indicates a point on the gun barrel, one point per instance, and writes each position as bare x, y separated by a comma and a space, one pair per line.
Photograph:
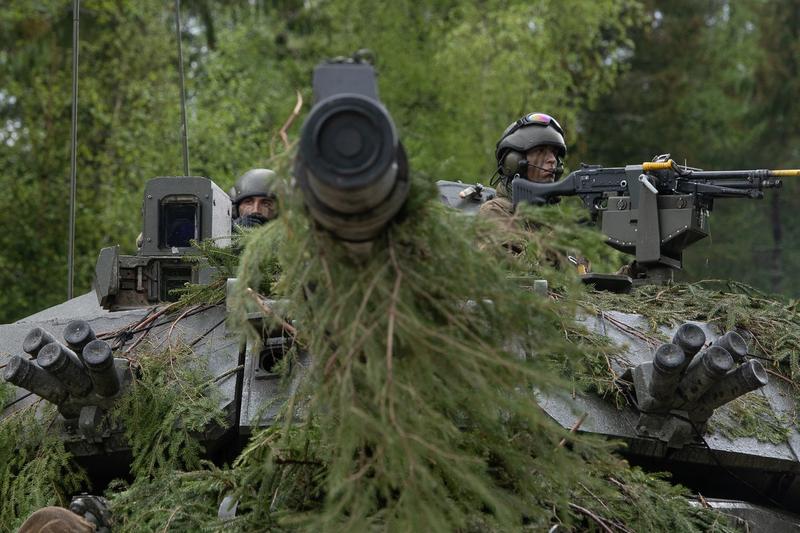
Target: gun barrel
100, 363
65, 365
31, 377
747, 176
786, 173
351, 166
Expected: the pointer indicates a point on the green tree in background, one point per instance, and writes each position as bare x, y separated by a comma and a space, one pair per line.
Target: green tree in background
128, 117
453, 73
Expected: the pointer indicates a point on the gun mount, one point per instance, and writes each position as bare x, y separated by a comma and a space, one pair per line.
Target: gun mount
655, 210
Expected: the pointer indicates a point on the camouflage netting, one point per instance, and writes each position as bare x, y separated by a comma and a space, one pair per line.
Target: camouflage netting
418, 412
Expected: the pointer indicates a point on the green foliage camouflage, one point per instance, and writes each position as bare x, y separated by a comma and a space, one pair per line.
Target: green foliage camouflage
482, 456
418, 411
35, 469
419, 407
171, 399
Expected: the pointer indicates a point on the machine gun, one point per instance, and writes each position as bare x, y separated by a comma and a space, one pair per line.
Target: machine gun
654, 210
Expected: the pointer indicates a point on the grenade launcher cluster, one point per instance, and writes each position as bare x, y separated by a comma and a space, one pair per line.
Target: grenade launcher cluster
679, 390
82, 377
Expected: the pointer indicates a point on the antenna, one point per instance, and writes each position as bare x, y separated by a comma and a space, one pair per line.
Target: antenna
184, 128
76, 7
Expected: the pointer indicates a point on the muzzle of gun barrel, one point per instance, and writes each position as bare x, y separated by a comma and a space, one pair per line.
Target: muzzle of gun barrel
351, 166
64, 364
100, 363
31, 377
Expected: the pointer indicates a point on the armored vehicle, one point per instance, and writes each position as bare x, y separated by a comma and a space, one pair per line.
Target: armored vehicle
83, 356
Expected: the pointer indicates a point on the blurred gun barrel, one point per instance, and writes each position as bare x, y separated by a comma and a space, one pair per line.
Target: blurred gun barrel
747, 377
100, 363
351, 166
668, 365
31, 377
62, 362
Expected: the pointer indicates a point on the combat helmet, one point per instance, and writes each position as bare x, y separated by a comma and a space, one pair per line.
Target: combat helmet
254, 182
533, 129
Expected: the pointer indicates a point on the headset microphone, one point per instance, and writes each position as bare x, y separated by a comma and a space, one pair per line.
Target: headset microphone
523, 165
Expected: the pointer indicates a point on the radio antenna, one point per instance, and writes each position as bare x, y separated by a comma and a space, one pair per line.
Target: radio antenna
184, 127
76, 7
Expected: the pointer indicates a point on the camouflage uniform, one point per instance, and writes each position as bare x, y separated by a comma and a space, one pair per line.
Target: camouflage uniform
500, 207
500, 211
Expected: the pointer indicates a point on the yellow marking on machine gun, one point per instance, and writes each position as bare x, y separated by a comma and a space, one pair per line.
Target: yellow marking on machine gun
788, 173
658, 165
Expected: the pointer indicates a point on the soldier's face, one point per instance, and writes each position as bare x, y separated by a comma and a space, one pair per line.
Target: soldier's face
258, 204
545, 158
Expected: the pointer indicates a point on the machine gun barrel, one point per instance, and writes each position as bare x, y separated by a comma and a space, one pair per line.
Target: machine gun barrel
750, 175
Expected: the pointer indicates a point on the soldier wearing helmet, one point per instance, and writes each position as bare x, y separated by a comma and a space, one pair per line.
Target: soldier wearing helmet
531, 148
254, 203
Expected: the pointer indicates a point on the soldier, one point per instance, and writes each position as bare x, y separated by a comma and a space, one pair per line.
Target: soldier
254, 203
530, 148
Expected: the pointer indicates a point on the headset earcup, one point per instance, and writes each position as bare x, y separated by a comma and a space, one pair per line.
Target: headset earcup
509, 166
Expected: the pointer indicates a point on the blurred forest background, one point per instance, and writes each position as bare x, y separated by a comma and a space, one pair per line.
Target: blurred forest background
714, 82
